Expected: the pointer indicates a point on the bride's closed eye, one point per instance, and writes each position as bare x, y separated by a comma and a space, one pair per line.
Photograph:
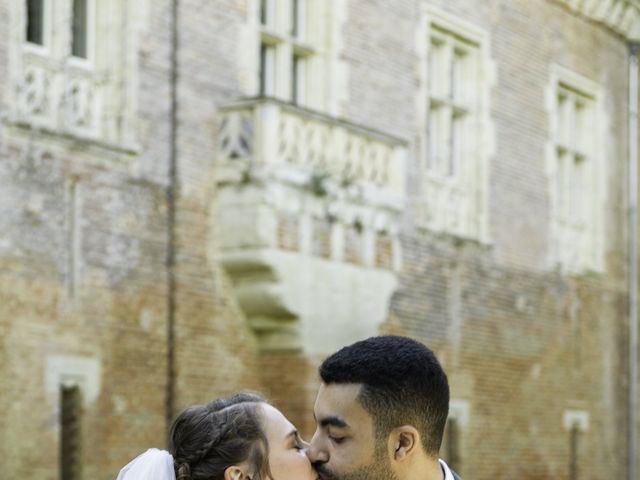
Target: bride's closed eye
298, 443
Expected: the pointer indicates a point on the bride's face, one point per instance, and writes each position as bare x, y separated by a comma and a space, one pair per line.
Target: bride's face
287, 458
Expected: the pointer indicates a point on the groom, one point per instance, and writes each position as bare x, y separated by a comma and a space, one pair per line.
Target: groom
380, 413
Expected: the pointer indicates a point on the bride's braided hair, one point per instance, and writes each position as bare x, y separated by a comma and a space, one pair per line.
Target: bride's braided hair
207, 439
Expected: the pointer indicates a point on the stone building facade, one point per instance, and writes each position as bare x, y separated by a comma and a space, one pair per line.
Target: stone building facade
199, 196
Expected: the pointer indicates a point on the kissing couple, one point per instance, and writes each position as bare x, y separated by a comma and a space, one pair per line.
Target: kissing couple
380, 414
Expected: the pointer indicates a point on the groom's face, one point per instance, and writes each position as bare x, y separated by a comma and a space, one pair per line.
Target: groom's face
343, 446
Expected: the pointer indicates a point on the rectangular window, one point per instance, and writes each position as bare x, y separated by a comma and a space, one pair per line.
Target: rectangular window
574, 435
70, 433
448, 104
298, 18
452, 445
267, 13
286, 51
79, 29
267, 69
455, 122
572, 159
263, 12
576, 181
436, 66
35, 22
298, 80
454, 143
433, 154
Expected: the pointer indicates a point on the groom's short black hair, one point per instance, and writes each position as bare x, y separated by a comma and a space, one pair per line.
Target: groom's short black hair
403, 384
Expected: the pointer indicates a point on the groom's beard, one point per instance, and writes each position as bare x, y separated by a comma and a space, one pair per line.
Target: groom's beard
379, 469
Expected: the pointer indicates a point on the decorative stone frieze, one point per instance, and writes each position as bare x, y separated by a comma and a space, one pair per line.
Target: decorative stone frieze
308, 215
622, 16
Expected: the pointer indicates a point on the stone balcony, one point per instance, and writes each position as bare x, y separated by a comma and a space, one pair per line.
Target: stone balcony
307, 218
57, 95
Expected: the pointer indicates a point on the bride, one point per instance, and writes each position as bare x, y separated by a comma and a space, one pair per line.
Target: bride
241, 438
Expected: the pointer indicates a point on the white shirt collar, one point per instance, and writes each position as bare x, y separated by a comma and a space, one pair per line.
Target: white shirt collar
447, 472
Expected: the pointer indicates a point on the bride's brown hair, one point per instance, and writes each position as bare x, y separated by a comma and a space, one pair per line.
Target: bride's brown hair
207, 439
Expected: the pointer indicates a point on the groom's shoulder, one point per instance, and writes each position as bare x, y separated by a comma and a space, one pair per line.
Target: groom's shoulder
447, 469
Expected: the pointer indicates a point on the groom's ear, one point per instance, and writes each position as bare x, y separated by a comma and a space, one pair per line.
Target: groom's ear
404, 441
236, 472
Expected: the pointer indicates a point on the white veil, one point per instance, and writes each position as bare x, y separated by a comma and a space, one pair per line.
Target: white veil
153, 464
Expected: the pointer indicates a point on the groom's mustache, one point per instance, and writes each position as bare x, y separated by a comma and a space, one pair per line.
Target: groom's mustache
324, 472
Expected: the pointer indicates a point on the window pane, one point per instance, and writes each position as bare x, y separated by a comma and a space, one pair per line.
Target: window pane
267, 12
453, 444
563, 119
436, 62
263, 12
454, 144
267, 69
35, 22
560, 185
263, 69
433, 139
578, 189
297, 80
79, 38
295, 11
573, 452
70, 433
298, 18
579, 130
458, 76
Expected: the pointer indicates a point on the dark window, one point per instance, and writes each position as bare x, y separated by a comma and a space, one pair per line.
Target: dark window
295, 17
35, 22
79, 33
452, 445
295, 80
263, 12
267, 69
70, 433
263, 69
573, 451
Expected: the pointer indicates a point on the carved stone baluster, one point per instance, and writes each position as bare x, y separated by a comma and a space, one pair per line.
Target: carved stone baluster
236, 136
34, 92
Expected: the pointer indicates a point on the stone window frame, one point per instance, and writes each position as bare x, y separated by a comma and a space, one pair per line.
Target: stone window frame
69, 370
324, 73
66, 371
104, 83
576, 424
465, 197
576, 245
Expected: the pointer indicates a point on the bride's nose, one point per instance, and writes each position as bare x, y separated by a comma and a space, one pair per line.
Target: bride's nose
305, 445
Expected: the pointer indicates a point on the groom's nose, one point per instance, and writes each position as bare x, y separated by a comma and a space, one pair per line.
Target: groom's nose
315, 452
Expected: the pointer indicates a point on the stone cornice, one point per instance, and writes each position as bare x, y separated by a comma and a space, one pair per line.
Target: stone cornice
622, 16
